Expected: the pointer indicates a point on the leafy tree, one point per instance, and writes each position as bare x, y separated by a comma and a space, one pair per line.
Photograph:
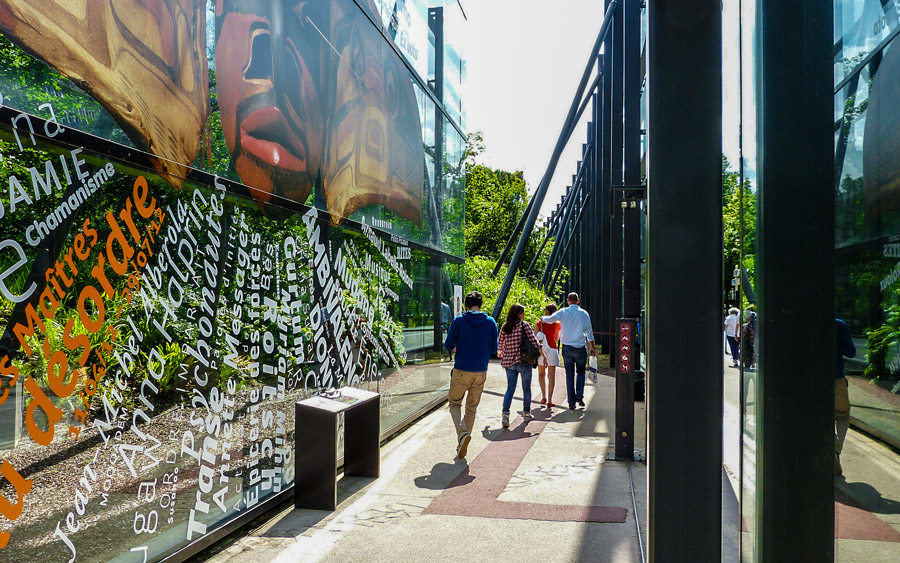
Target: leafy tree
739, 226
523, 291
495, 202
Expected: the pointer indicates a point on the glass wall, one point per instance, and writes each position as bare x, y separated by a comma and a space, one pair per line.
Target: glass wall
867, 121
204, 218
739, 280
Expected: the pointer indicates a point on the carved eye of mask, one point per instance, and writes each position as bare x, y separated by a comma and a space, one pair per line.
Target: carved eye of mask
260, 65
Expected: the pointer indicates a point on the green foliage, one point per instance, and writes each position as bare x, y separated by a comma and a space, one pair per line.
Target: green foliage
495, 201
27, 83
523, 291
739, 225
880, 341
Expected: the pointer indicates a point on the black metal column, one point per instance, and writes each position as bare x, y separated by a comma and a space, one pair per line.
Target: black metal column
632, 227
795, 139
632, 155
436, 24
614, 170
605, 125
590, 233
684, 372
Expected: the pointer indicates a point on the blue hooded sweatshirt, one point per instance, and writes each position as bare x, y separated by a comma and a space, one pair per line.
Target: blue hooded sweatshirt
474, 335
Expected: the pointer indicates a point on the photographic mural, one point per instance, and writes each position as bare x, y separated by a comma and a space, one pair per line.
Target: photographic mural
177, 267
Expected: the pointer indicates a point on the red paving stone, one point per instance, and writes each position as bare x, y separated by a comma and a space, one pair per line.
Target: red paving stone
474, 492
852, 522
875, 390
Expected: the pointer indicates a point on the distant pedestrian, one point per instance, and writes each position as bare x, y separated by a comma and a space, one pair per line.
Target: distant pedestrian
446, 319
473, 336
748, 339
548, 336
732, 325
843, 347
511, 335
575, 333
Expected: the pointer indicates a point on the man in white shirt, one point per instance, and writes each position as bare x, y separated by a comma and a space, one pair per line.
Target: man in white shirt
732, 332
575, 333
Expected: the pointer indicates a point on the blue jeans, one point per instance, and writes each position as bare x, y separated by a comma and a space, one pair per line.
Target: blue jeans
735, 348
512, 377
574, 359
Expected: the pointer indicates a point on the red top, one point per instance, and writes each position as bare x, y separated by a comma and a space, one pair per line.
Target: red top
551, 331
510, 352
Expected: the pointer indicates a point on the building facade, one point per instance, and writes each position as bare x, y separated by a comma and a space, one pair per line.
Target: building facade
208, 211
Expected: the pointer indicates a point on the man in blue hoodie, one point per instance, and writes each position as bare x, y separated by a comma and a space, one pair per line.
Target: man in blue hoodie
473, 336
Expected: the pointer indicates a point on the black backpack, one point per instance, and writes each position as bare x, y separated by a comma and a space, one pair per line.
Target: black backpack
529, 353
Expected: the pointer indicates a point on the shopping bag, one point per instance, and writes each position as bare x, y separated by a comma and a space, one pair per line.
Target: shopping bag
592, 365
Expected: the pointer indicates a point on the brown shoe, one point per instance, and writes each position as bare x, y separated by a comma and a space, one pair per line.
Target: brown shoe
463, 446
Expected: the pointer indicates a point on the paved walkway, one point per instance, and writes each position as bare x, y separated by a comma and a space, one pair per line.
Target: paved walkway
540, 491
867, 496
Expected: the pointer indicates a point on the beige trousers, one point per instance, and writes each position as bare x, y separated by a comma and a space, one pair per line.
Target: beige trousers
460, 382
841, 413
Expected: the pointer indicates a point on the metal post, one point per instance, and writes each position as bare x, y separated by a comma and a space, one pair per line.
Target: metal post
615, 172
587, 286
625, 373
436, 23
564, 226
684, 392
604, 137
565, 252
794, 516
568, 135
513, 237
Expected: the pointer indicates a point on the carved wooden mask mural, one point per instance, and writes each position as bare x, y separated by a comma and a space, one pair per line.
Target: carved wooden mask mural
309, 90
143, 60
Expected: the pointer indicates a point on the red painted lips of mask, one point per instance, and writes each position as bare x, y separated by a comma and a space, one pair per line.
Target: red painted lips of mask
266, 135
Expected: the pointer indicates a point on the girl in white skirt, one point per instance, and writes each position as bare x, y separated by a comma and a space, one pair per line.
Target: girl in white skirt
548, 336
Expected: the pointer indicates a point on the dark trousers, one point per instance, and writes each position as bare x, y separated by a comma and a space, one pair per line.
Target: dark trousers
735, 348
574, 359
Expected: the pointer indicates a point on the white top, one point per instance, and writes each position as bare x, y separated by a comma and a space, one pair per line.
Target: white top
576, 325
732, 322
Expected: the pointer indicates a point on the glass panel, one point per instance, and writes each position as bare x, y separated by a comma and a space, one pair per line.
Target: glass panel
867, 240
743, 274
162, 320
235, 103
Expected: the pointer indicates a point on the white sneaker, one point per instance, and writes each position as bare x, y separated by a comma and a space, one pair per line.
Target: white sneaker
463, 447
527, 416
505, 420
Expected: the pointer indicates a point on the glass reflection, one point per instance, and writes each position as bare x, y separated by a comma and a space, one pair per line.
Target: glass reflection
867, 385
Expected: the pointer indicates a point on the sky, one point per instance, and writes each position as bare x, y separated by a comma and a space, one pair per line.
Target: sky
524, 59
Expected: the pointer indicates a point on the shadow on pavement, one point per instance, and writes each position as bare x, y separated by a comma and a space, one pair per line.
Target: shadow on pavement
566, 415
866, 497
445, 476
517, 433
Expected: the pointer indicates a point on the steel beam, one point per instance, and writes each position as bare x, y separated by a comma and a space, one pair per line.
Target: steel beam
794, 512
684, 323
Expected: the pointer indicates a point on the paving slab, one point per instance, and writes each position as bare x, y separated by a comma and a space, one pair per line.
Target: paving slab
541, 489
